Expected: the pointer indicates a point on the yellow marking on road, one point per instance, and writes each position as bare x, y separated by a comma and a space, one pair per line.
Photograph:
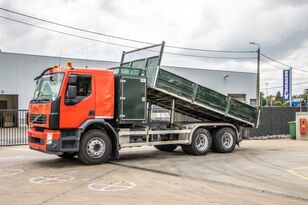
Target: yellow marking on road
299, 173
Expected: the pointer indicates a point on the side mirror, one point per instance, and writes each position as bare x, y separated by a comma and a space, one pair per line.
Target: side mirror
72, 79
71, 92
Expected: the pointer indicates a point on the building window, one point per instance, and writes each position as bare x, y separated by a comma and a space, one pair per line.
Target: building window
84, 86
239, 97
253, 102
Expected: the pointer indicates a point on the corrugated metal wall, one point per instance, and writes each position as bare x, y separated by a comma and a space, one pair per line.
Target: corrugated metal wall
17, 72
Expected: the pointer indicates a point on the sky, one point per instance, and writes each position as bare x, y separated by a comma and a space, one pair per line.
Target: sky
279, 26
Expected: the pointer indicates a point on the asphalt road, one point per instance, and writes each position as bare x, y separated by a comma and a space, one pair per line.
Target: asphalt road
259, 172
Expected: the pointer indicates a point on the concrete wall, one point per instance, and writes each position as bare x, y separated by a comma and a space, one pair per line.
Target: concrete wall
225, 82
17, 72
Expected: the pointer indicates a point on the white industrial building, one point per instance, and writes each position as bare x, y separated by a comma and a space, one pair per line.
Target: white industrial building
17, 72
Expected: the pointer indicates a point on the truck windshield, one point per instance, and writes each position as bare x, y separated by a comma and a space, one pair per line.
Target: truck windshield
48, 87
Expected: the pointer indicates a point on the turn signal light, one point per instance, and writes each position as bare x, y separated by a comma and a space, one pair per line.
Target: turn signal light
303, 126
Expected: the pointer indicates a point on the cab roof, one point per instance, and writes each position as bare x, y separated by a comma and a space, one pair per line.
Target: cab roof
96, 71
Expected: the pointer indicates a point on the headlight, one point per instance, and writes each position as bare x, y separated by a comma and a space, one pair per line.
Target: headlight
49, 138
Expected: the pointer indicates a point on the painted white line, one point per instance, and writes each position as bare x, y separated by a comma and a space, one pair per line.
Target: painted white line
10, 172
52, 179
115, 186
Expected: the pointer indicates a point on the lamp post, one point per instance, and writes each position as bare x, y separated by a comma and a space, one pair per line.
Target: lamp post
266, 98
258, 74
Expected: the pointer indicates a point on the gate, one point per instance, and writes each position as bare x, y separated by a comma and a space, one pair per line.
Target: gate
13, 127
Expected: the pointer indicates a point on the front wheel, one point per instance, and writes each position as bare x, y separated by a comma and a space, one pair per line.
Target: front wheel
200, 143
95, 147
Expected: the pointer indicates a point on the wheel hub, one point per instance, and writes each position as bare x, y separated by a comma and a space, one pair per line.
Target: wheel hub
96, 147
227, 140
201, 142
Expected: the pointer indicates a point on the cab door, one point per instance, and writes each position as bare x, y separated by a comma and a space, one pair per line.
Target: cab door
74, 112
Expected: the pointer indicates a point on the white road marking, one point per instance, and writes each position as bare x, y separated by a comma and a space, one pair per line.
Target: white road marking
10, 172
52, 179
116, 186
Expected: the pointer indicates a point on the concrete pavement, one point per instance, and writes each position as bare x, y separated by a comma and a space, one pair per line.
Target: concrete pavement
259, 172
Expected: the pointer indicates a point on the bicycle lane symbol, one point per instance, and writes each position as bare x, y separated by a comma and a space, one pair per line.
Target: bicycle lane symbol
115, 186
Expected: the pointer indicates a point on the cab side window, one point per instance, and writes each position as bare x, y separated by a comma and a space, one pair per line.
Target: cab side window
84, 86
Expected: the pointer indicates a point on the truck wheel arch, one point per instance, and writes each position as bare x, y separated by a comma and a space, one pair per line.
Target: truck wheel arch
106, 127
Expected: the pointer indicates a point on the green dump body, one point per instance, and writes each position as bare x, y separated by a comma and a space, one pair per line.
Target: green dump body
190, 98
198, 101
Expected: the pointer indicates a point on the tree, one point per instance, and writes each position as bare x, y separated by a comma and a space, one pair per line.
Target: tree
304, 96
278, 96
263, 100
277, 103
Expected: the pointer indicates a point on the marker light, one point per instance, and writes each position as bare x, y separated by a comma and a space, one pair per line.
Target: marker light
69, 64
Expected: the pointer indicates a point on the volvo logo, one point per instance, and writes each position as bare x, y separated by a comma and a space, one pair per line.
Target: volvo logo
35, 119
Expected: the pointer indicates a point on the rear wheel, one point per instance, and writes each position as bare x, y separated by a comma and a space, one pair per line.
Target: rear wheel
200, 144
68, 155
166, 148
224, 140
213, 133
95, 147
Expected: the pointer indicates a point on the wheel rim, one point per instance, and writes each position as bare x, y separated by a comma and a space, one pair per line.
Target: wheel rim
227, 140
96, 147
201, 142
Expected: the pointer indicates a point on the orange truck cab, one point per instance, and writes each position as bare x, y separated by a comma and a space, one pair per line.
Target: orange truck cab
93, 113
56, 119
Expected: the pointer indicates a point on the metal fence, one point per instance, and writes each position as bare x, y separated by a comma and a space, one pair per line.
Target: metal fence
274, 121
13, 127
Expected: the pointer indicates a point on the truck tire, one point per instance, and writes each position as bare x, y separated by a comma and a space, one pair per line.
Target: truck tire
68, 155
213, 133
166, 148
95, 147
200, 143
224, 140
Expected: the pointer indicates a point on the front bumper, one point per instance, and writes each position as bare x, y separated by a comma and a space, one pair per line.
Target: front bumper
52, 141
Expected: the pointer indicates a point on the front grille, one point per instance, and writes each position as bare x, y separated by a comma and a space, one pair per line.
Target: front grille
36, 140
38, 119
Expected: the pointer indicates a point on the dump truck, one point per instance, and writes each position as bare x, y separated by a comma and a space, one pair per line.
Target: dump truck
94, 112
